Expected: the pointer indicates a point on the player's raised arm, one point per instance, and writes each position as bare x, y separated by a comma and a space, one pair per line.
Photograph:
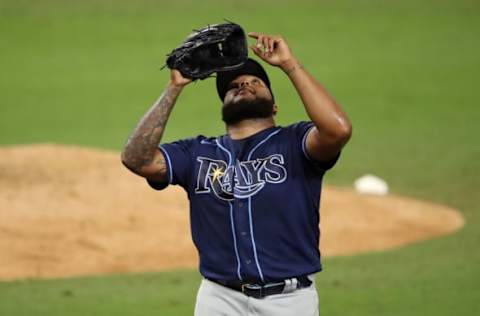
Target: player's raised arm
332, 126
141, 154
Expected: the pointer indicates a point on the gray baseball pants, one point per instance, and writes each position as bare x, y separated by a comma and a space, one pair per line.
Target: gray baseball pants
216, 300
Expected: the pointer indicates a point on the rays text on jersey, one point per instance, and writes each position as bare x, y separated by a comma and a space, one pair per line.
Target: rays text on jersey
242, 180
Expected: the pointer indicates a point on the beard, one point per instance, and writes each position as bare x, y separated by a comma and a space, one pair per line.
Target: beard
234, 112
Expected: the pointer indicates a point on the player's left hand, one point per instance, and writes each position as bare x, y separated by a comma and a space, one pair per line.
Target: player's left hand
271, 49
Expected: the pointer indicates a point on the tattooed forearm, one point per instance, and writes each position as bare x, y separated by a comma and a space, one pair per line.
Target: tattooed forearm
139, 151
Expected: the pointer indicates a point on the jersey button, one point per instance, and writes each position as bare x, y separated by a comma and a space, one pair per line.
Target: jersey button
244, 233
248, 261
240, 204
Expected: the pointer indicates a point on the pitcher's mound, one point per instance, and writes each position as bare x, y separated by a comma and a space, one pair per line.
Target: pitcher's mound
69, 211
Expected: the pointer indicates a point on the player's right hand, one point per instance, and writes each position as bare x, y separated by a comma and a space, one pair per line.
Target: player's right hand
177, 79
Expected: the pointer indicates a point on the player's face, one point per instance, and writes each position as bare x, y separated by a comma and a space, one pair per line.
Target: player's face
246, 87
247, 98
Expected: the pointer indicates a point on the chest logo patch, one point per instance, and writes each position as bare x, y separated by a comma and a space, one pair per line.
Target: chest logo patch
242, 180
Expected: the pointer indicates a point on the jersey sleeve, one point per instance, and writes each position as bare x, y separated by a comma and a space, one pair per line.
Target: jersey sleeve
300, 131
178, 157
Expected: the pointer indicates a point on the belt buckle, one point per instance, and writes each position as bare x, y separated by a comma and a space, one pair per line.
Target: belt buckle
244, 285
253, 290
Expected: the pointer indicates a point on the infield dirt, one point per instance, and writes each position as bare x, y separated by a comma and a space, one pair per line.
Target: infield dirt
71, 211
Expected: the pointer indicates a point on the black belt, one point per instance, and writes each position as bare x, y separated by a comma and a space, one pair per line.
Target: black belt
261, 290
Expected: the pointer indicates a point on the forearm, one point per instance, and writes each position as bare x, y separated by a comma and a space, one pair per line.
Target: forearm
142, 144
325, 113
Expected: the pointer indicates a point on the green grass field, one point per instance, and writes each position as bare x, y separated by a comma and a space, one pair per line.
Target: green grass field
405, 71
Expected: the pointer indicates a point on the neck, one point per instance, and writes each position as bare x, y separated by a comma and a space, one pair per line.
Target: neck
246, 128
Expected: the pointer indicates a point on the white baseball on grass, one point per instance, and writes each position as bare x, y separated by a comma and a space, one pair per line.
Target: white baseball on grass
371, 184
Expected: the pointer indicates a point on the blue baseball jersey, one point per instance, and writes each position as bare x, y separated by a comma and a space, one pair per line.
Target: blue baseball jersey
254, 202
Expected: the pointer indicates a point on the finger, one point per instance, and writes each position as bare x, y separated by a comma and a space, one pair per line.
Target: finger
279, 41
265, 44
259, 41
271, 44
253, 35
260, 54
256, 50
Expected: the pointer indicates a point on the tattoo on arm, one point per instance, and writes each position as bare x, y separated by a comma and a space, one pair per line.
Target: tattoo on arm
161, 165
141, 146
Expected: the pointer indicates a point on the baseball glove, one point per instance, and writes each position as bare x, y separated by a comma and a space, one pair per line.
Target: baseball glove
217, 47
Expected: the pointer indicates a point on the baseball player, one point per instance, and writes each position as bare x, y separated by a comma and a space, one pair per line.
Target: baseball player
255, 191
